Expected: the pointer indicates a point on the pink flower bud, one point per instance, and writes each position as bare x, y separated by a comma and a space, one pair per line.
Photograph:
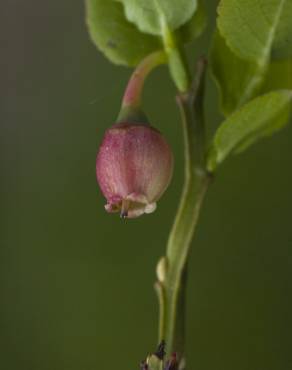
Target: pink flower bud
133, 168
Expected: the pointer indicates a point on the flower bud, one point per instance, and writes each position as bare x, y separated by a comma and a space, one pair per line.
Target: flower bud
133, 168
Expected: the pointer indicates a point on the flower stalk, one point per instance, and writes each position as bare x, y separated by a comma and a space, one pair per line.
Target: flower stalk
132, 100
133, 93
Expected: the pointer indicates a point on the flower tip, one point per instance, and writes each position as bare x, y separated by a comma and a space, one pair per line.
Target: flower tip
131, 207
150, 208
125, 208
124, 214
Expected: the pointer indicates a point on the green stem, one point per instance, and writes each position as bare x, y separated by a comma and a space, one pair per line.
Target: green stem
177, 61
196, 183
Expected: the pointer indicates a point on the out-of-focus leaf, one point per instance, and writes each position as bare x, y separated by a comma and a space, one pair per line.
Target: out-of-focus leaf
260, 117
151, 15
195, 26
256, 30
238, 80
278, 76
115, 36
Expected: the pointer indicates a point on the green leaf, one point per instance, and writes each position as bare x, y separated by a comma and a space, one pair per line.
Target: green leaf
260, 117
150, 16
238, 80
115, 36
279, 76
257, 29
195, 26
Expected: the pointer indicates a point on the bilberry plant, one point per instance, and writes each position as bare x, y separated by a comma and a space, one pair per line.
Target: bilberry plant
250, 60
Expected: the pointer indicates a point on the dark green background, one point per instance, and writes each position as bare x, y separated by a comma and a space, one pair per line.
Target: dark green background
76, 283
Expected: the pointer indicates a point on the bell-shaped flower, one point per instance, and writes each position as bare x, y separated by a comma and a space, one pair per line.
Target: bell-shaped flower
134, 167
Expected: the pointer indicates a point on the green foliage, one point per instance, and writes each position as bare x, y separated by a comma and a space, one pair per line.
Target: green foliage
255, 30
195, 26
115, 26
278, 76
251, 33
238, 80
260, 117
150, 16
117, 38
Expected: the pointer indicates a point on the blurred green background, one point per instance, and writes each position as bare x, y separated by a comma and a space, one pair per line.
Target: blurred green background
76, 283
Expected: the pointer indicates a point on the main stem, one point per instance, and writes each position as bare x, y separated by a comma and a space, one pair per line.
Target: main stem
173, 285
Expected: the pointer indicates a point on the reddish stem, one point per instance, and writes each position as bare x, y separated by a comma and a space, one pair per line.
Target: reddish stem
133, 93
